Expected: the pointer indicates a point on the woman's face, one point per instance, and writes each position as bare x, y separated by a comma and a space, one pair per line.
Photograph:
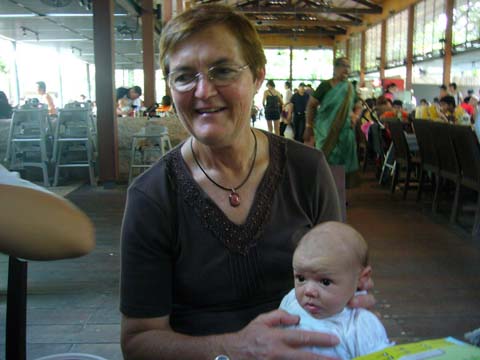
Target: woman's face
214, 115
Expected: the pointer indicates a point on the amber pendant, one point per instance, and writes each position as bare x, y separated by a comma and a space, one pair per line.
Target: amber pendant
234, 198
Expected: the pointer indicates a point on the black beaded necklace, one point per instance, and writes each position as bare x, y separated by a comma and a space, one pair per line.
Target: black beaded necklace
233, 197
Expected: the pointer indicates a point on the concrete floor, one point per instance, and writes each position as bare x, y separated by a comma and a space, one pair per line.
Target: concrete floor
427, 275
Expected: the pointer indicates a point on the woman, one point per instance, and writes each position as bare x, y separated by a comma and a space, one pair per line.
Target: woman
206, 237
272, 103
333, 127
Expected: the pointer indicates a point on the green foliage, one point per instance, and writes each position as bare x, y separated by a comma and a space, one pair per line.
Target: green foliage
3, 67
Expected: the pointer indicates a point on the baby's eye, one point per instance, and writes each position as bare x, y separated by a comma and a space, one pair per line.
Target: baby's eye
300, 278
326, 282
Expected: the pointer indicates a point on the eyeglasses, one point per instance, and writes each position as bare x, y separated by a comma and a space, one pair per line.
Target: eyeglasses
219, 75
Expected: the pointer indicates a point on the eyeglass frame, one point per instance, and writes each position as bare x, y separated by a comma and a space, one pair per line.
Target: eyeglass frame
194, 82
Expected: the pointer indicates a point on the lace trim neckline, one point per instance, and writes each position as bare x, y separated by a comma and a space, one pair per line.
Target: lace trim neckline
237, 238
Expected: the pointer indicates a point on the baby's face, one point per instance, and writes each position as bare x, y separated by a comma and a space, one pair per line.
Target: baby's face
326, 277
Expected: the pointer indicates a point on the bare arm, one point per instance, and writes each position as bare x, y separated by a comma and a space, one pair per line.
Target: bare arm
263, 338
310, 116
36, 225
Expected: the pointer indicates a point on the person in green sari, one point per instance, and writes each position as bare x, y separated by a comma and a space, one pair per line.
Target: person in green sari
330, 127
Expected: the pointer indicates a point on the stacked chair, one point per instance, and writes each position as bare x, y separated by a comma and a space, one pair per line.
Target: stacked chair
148, 145
28, 140
74, 140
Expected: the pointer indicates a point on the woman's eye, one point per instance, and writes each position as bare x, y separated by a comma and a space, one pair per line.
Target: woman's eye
184, 77
223, 72
326, 282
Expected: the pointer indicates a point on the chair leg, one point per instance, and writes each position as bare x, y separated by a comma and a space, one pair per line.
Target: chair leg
420, 184
476, 222
395, 176
456, 200
407, 181
435, 195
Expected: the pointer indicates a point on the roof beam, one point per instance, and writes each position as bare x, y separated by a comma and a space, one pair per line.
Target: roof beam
294, 22
309, 10
302, 32
368, 4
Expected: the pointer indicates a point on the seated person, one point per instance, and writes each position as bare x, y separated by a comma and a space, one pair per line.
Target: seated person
396, 112
166, 106
329, 263
452, 113
124, 105
5, 107
36, 224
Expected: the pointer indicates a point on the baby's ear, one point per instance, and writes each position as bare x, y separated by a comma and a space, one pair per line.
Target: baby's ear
364, 277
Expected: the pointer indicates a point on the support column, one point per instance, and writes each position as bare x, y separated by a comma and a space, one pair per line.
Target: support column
148, 34
291, 65
166, 11
447, 59
383, 50
362, 60
179, 6
409, 64
103, 42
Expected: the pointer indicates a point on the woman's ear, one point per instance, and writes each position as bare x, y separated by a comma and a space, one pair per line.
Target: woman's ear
260, 78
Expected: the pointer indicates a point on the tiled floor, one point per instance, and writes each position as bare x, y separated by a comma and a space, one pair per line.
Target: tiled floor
427, 275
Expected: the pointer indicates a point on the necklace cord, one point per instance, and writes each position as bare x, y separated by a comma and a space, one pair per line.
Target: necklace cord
217, 184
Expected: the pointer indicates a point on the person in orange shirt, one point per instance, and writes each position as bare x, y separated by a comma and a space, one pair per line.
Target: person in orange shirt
397, 112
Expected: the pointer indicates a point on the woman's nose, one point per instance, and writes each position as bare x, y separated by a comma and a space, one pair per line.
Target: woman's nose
205, 87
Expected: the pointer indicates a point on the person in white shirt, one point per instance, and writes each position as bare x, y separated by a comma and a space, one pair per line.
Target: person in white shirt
329, 264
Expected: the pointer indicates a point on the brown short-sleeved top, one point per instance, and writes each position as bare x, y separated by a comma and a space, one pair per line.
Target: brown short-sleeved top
181, 256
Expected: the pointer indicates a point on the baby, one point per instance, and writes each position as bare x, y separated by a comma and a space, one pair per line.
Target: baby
328, 264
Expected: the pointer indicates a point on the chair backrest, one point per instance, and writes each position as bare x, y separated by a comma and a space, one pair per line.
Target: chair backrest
423, 132
442, 139
375, 139
155, 129
30, 122
468, 153
73, 122
399, 142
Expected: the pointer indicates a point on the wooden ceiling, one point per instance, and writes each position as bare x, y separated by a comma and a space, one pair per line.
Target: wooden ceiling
304, 22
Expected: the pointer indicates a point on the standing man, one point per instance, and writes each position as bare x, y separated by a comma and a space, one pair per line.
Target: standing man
299, 102
46, 98
330, 128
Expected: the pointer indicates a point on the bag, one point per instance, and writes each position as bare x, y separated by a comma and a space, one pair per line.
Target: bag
289, 134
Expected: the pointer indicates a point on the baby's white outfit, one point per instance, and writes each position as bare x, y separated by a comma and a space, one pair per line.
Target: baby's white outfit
359, 330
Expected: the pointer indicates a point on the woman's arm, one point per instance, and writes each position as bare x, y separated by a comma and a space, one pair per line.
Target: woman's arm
36, 225
263, 338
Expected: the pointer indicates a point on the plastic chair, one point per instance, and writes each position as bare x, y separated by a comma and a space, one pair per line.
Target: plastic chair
449, 165
71, 356
468, 155
73, 143
403, 156
428, 154
28, 140
148, 145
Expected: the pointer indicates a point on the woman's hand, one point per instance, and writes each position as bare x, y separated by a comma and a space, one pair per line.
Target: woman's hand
366, 301
265, 338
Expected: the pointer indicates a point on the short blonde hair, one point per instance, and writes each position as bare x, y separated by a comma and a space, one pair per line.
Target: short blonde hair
200, 17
